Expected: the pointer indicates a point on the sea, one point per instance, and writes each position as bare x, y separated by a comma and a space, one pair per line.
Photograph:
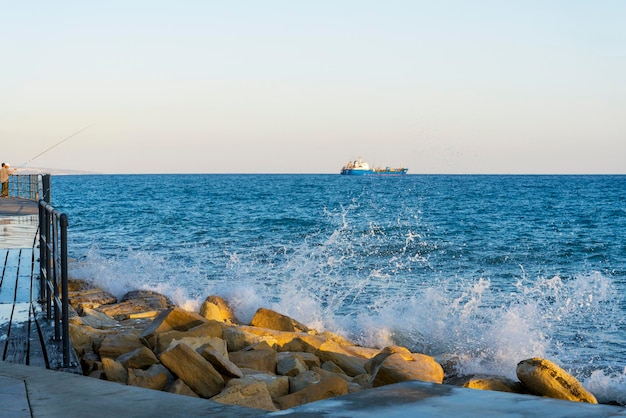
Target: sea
486, 269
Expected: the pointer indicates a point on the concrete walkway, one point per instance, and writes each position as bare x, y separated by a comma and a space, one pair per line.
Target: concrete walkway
16, 206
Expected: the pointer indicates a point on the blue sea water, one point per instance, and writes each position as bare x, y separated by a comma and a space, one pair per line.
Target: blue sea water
491, 269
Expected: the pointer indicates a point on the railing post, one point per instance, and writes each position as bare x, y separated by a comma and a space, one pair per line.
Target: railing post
65, 292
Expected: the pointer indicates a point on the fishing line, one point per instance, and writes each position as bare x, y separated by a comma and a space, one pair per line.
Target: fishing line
55, 145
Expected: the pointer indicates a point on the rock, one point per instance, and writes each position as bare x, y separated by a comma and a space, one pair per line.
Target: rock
348, 361
266, 318
247, 392
114, 371
325, 389
290, 364
91, 298
544, 378
97, 319
285, 341
238, 339
326, 374
194, 370
486, 382
180, 388
216, 308
173, 319
114, 345
277, 385
303, 380
221, 363
89, 362
85, 338
139, 358
137, 302
397, 364
264, 360
195, 337
332, 367
310, 360
156, 377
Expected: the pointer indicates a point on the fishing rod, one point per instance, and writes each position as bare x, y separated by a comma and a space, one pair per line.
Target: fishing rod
55, 145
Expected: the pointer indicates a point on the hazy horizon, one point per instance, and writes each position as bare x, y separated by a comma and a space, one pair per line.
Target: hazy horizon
449, 87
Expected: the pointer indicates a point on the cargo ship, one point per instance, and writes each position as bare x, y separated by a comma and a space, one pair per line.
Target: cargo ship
361, 168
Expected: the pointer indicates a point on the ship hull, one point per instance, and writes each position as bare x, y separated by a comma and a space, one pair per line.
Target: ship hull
360, 172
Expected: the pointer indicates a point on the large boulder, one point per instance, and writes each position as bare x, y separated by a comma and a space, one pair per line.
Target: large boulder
85, 338
266, 318
247, 392
173, 319
397, 364
238, 338
216, 308
137, 302
114, 345
263, 360
544, 378
221, 363
278, 386
95, 319
193, 369
156, 377
487, 382
179, 387
325, 389
290, 364
194, 337
347, 360
114, 371
139, 358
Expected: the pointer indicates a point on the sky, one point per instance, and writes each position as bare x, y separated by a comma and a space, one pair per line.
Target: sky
447, 86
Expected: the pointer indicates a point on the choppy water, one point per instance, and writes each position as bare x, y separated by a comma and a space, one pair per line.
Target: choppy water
494, 269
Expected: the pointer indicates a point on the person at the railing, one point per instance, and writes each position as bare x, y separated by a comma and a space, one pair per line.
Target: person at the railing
5, 171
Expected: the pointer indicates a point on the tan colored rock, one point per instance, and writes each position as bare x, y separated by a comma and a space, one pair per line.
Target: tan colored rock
85, 338
325, 389
285, 341
237, 338
290, 364
137, 302
221, 363
194, 337
156, 377
194, 370
266, 318
179, 387
114, 345
97, 319
114, 371
91, 298
310, 360
332, 367
544, 378
246, 392
397, 364
347, 360
278, 386
173, 319
139, 358
303, 380
216, 308
327, 374
97, 374
264, 360
487, 382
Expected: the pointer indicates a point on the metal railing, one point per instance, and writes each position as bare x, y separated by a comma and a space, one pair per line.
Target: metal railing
53, 273
30, 186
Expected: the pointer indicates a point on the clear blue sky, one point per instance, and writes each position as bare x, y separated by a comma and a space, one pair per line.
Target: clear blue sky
303, 86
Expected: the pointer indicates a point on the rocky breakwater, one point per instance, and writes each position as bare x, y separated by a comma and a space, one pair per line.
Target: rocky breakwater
272, 363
